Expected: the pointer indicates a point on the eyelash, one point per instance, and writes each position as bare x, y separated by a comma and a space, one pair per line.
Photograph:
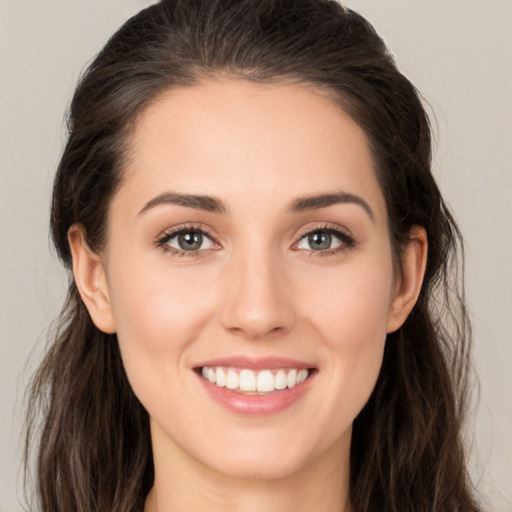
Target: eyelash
166, 236
347, 241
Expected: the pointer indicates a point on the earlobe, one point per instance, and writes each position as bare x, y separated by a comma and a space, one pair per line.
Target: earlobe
413, 263
91, 280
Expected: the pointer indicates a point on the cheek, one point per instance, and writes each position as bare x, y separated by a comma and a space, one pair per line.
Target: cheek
351, 321
158, 314
156, 301
350, 305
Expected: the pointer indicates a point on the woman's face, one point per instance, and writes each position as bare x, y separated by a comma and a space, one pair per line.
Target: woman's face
247, 251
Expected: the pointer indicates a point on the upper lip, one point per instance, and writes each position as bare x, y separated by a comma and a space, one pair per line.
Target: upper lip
255, 363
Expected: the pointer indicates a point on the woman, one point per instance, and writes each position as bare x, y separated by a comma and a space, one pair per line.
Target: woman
261, 315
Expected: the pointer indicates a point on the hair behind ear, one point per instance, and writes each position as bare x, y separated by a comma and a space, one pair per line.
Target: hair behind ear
90, 425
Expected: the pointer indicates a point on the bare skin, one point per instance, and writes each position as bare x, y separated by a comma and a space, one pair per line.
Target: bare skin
249, 224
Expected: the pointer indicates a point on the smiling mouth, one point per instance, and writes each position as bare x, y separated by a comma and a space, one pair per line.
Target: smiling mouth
250, 382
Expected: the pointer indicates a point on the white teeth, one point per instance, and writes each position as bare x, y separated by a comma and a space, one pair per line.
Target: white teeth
248, 381
232, 379
291, 378
220, 378
280, 381
302, 375
265, 381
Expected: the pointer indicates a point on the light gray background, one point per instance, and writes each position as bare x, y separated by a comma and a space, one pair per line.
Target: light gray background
458, 53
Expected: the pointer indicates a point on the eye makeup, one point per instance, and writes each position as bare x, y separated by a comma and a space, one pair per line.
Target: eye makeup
191, 240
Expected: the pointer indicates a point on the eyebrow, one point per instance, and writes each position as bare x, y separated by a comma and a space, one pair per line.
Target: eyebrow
305, 204
300, 205
198, 202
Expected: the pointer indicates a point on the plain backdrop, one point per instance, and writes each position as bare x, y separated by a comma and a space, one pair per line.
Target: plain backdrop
457, 52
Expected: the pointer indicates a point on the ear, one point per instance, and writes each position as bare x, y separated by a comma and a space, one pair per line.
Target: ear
413, 264
91, 280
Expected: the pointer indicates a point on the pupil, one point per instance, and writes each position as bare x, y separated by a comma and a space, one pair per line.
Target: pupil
190, 241
320, 241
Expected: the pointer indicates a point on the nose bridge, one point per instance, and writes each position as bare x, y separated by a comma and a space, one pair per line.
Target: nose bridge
257, 302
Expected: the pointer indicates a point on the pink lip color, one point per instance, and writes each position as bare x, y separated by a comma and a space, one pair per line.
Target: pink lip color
255, 363
256, 404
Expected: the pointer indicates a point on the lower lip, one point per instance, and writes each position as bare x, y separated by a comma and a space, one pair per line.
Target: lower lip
255, 405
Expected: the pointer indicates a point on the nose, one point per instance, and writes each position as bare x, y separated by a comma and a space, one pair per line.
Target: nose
258, 298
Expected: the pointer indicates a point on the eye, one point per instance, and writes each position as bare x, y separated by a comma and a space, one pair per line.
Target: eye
325, 240
186, 240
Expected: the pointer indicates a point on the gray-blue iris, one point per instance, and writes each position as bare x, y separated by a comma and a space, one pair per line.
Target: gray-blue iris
320, 241
190, 241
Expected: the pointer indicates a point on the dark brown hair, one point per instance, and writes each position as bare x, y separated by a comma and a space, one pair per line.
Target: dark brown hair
94, 451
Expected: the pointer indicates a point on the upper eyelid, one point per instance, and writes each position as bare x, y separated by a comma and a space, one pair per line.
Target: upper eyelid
344, 236
164, 237
208, 231
162, 241
205, 230
325, 226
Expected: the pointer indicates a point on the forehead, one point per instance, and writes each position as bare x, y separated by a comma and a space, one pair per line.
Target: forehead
239, 139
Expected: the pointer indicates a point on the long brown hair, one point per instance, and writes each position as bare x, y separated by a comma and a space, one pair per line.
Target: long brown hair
93, 444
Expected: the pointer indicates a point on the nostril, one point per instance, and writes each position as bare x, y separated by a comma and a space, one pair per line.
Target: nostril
256, 300
253, 332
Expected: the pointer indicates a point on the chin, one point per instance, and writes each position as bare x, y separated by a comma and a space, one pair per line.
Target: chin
257, 468
276, 455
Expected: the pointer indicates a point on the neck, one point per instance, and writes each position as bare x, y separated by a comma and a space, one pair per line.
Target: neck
321, 485
293, 495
